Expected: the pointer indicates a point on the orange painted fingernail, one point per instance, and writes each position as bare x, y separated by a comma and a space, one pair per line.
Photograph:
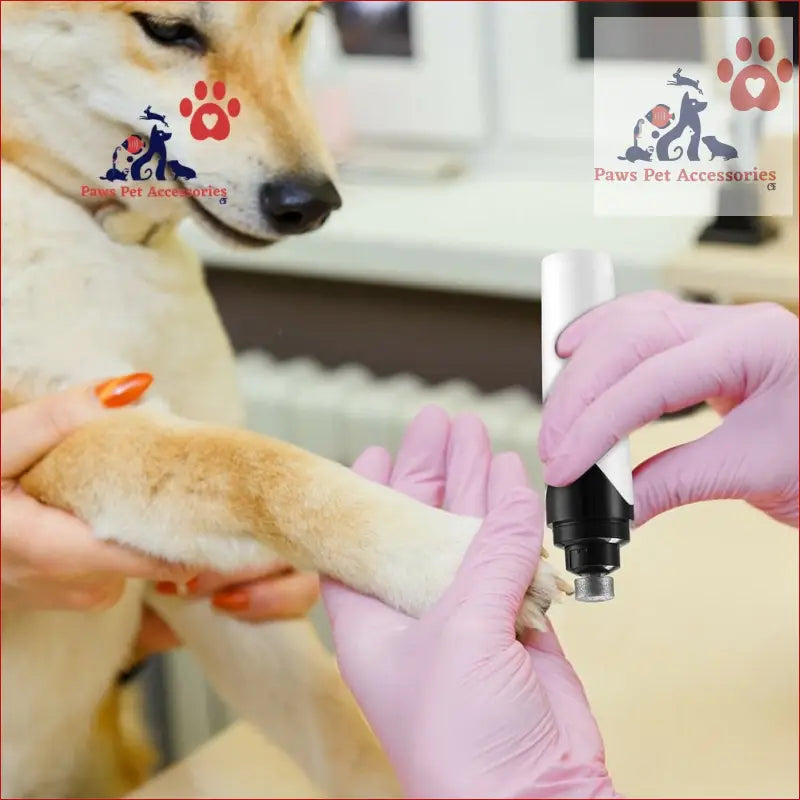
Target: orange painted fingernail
166, 587
191, 586
235, 600
121, 391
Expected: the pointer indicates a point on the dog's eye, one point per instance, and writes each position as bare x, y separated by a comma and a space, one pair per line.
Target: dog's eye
172, 32
300, 25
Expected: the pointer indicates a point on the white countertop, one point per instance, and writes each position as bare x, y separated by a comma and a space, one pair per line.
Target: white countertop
479, 233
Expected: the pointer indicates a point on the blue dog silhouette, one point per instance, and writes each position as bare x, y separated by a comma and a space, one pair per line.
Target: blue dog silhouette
156, 148
689, 119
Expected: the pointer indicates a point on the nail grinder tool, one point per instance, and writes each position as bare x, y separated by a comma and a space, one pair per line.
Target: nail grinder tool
590, 518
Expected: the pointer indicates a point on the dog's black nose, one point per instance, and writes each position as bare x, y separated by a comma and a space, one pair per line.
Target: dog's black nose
298, 205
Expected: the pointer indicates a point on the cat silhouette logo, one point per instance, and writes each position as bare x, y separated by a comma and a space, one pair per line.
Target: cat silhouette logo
147, 157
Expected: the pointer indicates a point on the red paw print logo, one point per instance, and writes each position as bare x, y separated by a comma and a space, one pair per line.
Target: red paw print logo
755, 85
210, 120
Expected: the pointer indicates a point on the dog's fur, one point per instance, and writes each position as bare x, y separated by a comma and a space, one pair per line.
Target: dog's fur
88, 295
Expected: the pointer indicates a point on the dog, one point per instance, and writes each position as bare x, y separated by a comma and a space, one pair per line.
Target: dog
688, 119
156, 149
721, 149
178, 477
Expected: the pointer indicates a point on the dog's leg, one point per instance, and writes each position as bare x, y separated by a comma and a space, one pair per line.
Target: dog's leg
203, 495
280, 677
227, 498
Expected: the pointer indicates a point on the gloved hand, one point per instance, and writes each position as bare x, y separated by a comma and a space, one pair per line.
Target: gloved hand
641, 355
461, 707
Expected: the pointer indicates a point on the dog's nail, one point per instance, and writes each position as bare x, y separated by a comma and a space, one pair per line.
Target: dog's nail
166, 587
235, 600
121, 391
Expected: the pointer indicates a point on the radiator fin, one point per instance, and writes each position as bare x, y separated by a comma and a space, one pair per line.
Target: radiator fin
339, 412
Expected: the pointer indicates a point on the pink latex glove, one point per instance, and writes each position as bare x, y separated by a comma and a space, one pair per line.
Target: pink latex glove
641, 355
462, 708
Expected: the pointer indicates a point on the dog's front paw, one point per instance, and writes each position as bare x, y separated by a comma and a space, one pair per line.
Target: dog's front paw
548, 586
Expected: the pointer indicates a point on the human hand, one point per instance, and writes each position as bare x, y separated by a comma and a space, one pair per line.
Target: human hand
642, 355
462, 708
260, 594
50, 560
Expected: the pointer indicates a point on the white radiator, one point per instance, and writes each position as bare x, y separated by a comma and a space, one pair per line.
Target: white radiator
339, 412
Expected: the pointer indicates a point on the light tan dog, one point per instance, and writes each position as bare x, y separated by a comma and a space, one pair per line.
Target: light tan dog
97, 286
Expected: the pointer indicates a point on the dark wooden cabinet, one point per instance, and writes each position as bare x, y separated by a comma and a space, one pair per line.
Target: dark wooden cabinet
494, 342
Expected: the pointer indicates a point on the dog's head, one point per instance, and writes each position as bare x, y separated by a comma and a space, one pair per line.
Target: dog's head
690, 106
225, 75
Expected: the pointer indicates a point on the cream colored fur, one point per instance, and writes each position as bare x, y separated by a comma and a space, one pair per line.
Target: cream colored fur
84, 301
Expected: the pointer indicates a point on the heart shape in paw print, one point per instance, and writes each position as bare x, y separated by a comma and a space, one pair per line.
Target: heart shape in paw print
754, 86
